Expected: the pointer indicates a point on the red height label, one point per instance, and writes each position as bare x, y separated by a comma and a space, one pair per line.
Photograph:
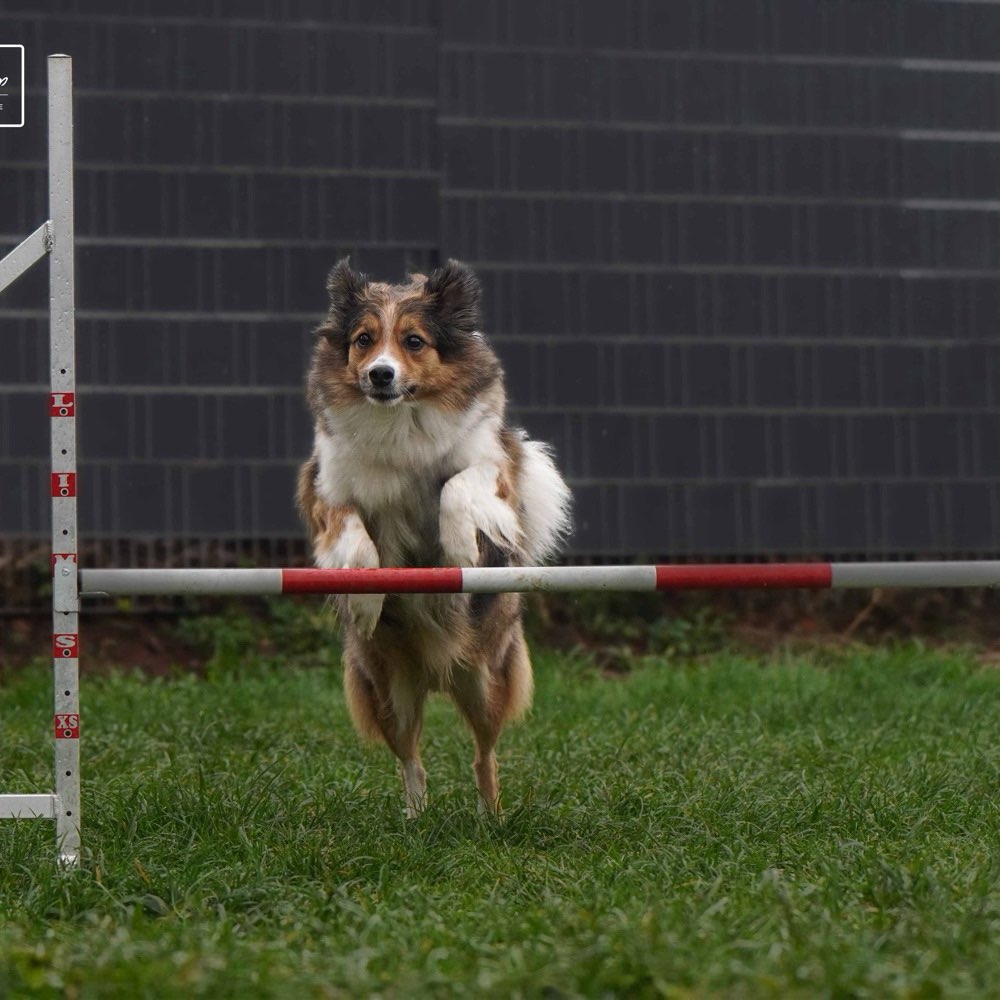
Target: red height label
62, 404
67, 727
65, 645
64, 484
60, 558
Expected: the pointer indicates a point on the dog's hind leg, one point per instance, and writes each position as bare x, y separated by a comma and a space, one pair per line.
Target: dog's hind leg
407, 696
471, 690
490, 695
390, 708
484, 765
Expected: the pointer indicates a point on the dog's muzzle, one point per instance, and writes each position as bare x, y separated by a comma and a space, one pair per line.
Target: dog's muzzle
381, 377
380, 384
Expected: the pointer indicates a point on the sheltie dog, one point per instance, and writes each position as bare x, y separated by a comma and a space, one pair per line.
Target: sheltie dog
414, 465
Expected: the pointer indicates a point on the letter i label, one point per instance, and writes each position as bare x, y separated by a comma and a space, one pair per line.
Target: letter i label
64, 484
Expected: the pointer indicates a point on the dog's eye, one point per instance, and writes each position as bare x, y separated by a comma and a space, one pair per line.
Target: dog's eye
412, 342
363, 340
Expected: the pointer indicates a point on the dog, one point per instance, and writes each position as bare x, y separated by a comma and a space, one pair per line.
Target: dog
414, 465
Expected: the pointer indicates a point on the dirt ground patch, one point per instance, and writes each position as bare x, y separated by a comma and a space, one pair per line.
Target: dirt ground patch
146, 641
612, 627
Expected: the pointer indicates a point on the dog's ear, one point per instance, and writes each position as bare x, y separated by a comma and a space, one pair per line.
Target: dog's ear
453, 295
347, 289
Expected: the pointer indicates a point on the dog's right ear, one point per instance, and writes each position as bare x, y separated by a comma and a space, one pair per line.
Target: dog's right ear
453, 293
347, 290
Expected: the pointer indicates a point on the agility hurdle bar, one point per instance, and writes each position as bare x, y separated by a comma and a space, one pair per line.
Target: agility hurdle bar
55, 238
522, 579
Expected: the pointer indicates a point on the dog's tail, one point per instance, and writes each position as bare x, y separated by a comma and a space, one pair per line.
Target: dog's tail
545, 503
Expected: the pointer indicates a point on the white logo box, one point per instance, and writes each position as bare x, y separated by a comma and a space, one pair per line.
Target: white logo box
11, 86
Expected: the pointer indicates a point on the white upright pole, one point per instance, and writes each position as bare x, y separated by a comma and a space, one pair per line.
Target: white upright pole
62, 410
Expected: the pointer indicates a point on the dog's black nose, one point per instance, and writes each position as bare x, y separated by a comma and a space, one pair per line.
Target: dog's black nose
381, 376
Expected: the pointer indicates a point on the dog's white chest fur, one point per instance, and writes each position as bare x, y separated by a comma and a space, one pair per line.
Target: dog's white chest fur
390, 464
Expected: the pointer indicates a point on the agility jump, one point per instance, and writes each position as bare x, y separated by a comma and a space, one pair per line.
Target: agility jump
54, 238
527, 579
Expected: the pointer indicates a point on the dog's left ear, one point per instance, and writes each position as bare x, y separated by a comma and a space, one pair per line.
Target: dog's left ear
454, 293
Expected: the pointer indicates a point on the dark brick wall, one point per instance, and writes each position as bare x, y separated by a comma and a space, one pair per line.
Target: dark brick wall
228, 154
739, 256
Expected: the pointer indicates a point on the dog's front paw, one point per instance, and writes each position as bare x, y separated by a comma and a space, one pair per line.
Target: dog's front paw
354, 549
470, 507
365, 611
459, 544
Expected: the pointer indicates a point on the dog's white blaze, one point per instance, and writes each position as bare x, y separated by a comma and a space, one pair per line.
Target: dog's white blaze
385, 359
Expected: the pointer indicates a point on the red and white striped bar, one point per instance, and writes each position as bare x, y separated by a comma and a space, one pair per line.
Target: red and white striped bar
493, 580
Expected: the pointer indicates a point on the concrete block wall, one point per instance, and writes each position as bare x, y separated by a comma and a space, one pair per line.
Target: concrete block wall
739, 258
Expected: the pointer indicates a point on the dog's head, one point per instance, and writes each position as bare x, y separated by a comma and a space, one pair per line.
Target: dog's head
389, 345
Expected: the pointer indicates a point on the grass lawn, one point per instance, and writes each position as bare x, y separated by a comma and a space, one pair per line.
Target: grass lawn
818, 824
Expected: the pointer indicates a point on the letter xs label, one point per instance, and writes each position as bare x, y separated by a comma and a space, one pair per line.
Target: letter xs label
67, 727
